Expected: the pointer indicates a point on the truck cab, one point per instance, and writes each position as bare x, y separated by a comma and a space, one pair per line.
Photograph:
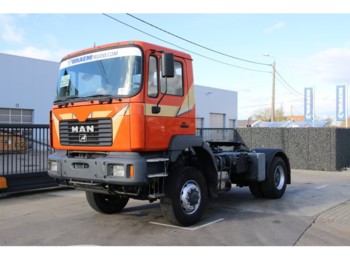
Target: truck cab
115, 98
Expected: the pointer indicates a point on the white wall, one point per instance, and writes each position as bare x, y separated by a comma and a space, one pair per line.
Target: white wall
28, 83
214, 100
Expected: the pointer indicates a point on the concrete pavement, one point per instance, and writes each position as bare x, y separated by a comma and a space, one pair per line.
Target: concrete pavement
313, 212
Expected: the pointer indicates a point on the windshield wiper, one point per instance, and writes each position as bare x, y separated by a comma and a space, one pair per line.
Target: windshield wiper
66, 99
100, 95
101, 98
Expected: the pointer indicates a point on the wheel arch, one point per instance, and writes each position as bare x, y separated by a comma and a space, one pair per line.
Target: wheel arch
270, 154
206, 161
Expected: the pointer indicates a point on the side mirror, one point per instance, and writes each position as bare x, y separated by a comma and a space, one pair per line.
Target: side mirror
168, 65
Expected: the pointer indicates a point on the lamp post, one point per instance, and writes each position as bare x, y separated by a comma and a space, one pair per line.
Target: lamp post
273, 87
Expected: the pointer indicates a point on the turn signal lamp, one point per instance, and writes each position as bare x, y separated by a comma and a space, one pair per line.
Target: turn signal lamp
3, 182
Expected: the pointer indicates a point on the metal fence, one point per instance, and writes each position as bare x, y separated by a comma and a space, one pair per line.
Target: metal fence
218, 134
24, 150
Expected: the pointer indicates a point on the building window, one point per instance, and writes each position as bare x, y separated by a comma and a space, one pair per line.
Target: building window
16, 116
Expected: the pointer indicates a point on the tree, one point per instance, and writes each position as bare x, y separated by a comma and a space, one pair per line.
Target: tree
265, 114
262, 115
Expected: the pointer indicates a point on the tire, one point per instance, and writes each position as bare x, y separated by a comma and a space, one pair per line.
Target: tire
185, 198
106, 204
276, 182
255, 189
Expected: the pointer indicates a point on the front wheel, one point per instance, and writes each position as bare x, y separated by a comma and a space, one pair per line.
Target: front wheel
276, 181
106, 204
255, 189
186, 196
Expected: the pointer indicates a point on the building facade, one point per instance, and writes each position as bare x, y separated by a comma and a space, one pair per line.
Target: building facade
27, 89
215, 108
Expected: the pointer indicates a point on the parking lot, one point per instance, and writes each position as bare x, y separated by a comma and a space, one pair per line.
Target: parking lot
315, 211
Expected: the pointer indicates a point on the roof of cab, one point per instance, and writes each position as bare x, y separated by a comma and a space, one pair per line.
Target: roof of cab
142, 44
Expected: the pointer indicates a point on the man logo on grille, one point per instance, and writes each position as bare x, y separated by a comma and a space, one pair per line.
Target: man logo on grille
83, 129
82, 138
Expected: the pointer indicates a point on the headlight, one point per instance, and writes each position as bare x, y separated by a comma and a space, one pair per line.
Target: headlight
118, 170
53, 166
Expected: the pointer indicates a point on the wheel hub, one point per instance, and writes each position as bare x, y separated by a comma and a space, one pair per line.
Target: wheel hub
190, 197
279, 177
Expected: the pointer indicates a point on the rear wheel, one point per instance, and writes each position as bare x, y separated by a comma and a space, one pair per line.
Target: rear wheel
276, 182
186, 196
106, 204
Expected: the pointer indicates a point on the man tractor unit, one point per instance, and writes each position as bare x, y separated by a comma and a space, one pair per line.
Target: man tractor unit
123, 126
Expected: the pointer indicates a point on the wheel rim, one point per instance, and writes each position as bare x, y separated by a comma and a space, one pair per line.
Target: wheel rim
279, 177
190, 197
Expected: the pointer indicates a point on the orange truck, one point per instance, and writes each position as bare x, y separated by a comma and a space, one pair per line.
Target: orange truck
123, 126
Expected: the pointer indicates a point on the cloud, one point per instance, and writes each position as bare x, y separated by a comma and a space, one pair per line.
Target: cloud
331, 65
37, 53
12, 34
15, 37
274, 27
9, 32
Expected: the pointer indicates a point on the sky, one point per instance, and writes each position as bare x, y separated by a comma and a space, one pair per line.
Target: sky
309, 41
228, 47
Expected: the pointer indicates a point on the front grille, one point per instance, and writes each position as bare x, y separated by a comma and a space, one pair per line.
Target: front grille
92, 132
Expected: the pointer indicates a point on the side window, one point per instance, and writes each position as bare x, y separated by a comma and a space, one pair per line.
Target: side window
152, 90
175, 84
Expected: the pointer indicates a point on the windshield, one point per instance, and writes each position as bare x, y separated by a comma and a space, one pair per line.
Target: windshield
115, 72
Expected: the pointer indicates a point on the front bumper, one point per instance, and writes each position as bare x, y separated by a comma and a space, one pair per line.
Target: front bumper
125, 168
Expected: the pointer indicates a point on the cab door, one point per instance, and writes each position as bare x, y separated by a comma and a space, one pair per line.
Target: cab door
166, 108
